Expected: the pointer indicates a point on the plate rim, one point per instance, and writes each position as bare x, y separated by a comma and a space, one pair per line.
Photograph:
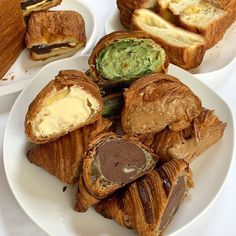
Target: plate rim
194, 219
19, 86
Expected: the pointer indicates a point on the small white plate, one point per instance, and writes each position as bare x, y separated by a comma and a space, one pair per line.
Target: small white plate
24, 68
40, 194
216, 58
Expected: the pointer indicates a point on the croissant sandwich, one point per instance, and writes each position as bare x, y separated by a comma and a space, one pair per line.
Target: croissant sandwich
184, 48
65, 104
110, 163
189, 143
156, 101
29, 6
53, 33
63, 157
122, 57
149, 204
127, 7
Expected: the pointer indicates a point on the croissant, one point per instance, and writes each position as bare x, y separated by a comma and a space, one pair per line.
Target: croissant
65, 104
119, 58
156, 101
149, 204
127, 7
63, 157
110, 163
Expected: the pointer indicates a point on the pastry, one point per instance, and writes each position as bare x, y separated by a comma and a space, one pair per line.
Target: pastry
202, 16
53, 33
156, 101
29, 6
63, 157
110, 163
184, 48
68, 102
12, 28
127, 7
120, 58
189, 143
149, 204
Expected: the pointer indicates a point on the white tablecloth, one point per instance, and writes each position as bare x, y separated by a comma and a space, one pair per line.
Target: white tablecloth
217, 220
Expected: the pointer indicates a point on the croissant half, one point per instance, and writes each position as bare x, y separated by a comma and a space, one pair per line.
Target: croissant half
63, 157
149, 204
111, 162
119, 58
156, 101
67, 103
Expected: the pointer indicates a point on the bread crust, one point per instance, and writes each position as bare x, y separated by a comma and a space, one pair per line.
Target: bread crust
63, 80
42, 7
106, 41
156, 101
127, 7
55, 27
185, 57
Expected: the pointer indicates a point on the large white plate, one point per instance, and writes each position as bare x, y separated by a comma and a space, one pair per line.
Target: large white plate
41, 195
216, 58
24, 68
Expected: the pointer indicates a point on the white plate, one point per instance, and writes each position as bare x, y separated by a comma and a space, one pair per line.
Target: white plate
216, 58
41, 195
24, 68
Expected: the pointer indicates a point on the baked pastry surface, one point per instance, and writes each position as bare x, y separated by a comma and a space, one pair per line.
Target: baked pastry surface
156, 101
67, 103
52, 33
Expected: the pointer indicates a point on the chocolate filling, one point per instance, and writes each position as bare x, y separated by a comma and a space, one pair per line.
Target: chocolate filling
42, 49
24, 5
165, 180
120, 160
144, 197
175, 200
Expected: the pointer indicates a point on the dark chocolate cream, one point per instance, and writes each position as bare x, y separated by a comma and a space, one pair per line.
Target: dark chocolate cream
41, 49
28, 3
175, 200
120, 160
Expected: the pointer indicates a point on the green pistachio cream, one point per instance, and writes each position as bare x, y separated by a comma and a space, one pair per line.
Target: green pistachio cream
130, 58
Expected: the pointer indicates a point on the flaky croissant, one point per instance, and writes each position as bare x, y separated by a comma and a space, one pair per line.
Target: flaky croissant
156, 101
63, 157
189, 143
149, 204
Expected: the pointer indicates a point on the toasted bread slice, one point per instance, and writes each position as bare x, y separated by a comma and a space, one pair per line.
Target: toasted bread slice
64, 105
183, 48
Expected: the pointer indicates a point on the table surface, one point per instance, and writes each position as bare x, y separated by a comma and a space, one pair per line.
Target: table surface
217, 220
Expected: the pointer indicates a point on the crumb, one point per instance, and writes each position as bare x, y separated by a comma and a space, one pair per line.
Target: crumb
4, 79
26, 71
64, 188
13, 77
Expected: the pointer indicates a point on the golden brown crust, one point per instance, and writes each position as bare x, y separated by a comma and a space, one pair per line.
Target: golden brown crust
106, 41
185, 57
42, 7
127, 7
90, 190
63, 157
156, 101
78, 79
12, 28
55, 27
142, 204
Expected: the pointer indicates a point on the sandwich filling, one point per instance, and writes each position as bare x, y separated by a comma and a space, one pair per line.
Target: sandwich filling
129, 58
43, 49
27, 4
64, 109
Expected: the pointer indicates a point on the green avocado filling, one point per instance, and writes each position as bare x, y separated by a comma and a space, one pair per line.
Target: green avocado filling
129, 58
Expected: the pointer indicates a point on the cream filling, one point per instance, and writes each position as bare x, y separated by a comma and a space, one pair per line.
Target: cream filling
67, 108
36, 5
